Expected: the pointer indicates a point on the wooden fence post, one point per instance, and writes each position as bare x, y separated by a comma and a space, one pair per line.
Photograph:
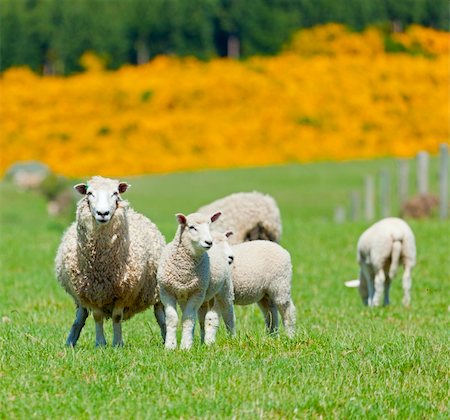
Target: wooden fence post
354, 205
385, 194
403, 181
422, 172
339, 214
443, 181
369, 198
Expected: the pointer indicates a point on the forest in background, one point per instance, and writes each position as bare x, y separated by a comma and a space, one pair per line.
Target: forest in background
50, 36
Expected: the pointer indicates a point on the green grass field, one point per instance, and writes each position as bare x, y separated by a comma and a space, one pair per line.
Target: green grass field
346, 361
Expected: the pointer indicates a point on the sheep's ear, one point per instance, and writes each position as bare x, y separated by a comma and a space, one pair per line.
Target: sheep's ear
181, 218
228, 234
81, 188
123, 186
215, 216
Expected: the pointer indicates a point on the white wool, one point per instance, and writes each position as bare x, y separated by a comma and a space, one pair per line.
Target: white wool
380, 250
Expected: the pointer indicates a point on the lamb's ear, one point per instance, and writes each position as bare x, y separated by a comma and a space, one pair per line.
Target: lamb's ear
123, 186
81, 188
215, 216
228, 234
181, 218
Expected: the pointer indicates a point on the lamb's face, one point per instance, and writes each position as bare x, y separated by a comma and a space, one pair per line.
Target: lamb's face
196, 230
221, 240
103, 196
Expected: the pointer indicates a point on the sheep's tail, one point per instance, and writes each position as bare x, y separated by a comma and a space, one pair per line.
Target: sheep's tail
395, 257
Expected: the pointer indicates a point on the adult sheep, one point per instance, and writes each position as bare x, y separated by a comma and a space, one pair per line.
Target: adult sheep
108, 259
261, 272
250, 215
380, 250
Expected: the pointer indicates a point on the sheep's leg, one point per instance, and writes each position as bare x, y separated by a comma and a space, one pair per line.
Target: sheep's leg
386, 291
224, 302
189, 309
270, 313
287, 311
211, 324
99, 334
227, 311
380, 279
170, 308
363, 284
406, 284
160, 316
117, 317
80, 320
201, 319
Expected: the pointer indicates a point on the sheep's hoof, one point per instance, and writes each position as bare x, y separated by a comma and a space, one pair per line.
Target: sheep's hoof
118, 344
100, 344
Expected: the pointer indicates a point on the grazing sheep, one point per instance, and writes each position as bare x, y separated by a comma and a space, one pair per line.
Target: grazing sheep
107, 260
262, 273
250, 215
198, 280
381, 248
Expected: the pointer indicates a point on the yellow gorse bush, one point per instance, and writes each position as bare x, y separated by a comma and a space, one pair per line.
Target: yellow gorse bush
340, 97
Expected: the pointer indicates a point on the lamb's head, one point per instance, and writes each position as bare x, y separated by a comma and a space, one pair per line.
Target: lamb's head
103, 197
195, 232
221, 240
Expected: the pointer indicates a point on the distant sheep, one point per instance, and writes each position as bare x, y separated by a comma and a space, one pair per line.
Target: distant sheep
250, 215
381, 248
262, 273
108, 259
197, 277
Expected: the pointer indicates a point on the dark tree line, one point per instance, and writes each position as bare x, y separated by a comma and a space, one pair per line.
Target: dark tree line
51, 35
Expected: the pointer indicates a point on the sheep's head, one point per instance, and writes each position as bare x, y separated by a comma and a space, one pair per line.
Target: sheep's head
103, 197
195, 230
221, 240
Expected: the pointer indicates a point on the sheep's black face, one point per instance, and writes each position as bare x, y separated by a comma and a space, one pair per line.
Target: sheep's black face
103, 196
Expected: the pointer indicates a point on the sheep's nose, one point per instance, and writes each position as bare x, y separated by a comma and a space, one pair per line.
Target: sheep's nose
209, 243
104, 213
230, 259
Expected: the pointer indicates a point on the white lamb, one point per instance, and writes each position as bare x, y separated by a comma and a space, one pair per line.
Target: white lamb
250, 215
198, 280
107, 260
261, 273
380, 250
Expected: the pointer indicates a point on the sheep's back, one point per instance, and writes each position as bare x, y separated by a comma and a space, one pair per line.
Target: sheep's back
246, 214
259, 268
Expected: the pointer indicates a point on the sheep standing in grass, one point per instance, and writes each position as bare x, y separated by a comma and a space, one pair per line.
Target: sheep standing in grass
107, 260
198, 280
262, 273
250, 215
381, 248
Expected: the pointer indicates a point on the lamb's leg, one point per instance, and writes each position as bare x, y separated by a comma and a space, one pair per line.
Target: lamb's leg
224, 302
380, 279
189, 309
386, 291
117, 317
160, 316
363, 285
201, 319
80, 319
270, 313
99, 334
227, 311
211, 324
170, 308
287, 311
406, 284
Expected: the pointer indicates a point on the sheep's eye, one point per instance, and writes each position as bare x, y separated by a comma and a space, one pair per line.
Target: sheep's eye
90, 193
116, 194
192, 228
